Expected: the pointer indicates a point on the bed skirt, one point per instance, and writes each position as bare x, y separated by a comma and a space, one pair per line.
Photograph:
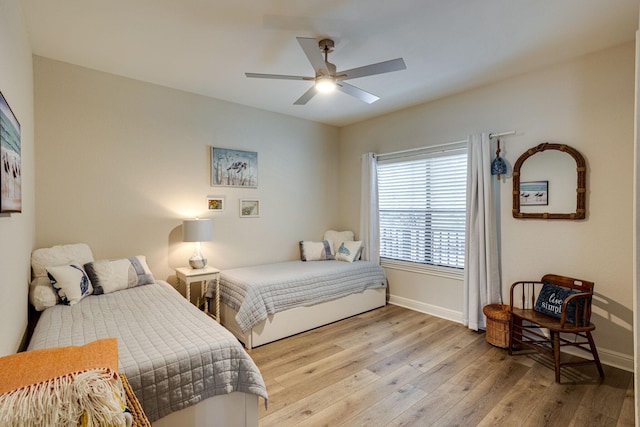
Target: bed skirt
300, 319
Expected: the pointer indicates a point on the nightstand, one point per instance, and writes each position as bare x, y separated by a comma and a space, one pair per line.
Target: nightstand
189, 275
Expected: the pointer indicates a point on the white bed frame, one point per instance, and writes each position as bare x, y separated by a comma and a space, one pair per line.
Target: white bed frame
235, 409
301, 319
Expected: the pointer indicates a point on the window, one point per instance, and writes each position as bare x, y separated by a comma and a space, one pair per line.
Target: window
422, 206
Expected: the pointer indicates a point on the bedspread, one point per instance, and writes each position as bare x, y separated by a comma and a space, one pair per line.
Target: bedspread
259, 291
173, 355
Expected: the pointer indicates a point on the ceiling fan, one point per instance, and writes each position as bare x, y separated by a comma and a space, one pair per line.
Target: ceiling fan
327, 79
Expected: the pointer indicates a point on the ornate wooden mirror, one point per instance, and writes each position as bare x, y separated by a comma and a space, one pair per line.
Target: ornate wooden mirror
533, 195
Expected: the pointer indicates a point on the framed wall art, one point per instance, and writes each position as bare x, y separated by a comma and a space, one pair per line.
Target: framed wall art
215, 203
249, 208
534, 193
234, 168
11, 168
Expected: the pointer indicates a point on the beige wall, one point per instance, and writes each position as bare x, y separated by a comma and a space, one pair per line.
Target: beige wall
17, 230
586, 103
121, 163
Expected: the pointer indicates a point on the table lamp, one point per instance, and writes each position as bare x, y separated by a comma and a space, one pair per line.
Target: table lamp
197, 230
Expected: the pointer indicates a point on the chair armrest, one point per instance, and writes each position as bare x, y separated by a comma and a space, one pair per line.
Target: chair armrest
523, 292
584, 315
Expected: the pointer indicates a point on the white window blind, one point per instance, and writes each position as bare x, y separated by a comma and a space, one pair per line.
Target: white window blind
422, 203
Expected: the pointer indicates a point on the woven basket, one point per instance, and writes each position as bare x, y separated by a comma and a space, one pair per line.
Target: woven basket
139, 418
497, 324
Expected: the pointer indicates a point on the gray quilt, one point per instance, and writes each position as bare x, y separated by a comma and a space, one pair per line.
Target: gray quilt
259, 291
173, 355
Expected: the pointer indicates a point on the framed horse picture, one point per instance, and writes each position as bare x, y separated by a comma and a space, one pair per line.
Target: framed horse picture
11, 167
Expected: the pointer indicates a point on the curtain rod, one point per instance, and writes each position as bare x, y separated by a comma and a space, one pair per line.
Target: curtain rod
432, 147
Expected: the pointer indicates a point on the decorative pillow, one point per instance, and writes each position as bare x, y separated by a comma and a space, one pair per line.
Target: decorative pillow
70, 282
41, 293
113, 275
552, 297
77, 253
316, 251
349, 251
337, 237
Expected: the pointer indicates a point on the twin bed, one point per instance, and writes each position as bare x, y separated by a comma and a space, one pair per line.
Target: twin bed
265, 303
173, 355
185, 368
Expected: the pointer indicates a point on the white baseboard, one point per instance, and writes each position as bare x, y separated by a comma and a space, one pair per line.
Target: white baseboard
610, 358
445, 313
607, 357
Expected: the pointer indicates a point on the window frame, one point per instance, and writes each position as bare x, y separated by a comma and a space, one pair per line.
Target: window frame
411, 155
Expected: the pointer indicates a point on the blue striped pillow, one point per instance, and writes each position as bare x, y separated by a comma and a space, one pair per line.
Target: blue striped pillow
116, 274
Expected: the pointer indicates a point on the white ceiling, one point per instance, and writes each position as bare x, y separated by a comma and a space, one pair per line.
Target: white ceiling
206, 46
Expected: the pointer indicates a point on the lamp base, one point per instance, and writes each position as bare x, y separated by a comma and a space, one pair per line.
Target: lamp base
197, 261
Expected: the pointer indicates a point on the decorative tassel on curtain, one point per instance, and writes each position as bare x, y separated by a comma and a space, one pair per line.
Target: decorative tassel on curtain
369, 218
481, 274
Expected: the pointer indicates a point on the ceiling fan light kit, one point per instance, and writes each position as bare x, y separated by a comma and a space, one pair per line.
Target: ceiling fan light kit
327, 79
325, 84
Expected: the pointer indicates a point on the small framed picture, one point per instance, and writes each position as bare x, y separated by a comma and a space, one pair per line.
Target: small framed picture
534, 193
215, 203
249, 208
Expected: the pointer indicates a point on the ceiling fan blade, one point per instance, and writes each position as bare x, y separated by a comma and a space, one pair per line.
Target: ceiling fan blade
277, 76
306, 96
362, 95
379, 68
312, 50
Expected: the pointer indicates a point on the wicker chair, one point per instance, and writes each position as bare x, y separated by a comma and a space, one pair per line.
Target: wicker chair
532, 310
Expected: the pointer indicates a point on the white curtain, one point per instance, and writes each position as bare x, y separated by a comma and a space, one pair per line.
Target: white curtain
369, 222
481, 274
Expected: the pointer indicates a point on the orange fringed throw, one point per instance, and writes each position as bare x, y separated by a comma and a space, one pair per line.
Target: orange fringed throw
75, 385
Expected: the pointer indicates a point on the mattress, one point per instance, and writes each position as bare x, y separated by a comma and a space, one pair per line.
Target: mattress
173, 354
259, 291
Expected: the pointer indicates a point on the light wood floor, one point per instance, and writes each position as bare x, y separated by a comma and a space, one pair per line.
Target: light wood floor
397, 367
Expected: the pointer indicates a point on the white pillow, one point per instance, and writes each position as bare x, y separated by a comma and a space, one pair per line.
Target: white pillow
349, 251
77, 254
113, 275
316, 251
41, 294
70, 282
337, 237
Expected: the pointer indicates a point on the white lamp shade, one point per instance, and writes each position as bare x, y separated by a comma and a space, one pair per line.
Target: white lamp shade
197, 230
